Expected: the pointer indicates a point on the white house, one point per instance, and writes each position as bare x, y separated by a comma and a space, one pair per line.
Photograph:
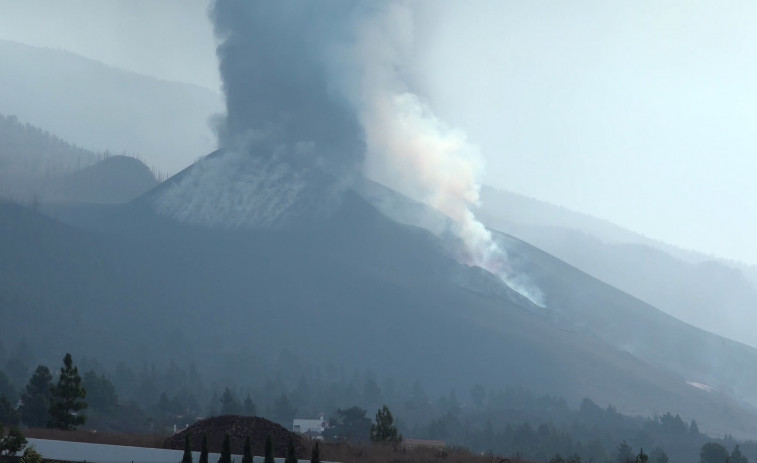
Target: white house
309, 427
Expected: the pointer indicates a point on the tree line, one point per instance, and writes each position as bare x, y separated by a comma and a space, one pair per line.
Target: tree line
45, 403
506, 421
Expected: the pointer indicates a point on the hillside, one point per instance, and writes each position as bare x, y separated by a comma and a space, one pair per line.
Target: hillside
115, 179
711, 294
30, 157
103, 108
386, 297
37, 166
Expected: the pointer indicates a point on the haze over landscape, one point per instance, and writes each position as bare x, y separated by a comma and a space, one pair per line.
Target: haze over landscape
573, 105
492, 216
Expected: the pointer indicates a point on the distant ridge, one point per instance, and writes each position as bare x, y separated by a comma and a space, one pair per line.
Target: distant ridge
714, 294
338, 287
101, 108
37, 166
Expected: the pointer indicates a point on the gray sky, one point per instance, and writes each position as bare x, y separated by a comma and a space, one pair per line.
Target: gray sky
169, 39
641, 112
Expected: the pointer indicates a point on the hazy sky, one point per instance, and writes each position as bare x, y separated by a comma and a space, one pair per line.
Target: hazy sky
169, 39
641, 112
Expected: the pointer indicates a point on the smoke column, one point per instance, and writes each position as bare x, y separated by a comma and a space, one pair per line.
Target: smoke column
287, 119
277, 72
412, 150
328, 85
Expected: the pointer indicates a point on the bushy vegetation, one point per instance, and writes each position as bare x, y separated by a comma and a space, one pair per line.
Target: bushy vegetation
13, 442
31, 455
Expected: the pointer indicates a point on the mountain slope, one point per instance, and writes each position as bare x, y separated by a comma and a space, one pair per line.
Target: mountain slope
104, 108
30, 157
36, 166
360, 290
115, 179
355, 285
714, 295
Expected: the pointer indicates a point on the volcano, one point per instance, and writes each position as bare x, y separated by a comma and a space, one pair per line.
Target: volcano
345, 284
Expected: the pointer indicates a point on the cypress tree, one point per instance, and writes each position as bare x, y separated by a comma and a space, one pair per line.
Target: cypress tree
291, 457
204, 449
187, 457
268, 457
247, 452
225, 450
315, 456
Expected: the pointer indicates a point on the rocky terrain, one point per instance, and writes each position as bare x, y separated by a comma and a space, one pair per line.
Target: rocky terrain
238, 428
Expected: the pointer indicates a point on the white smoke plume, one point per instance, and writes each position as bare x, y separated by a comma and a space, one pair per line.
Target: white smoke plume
410, 149
335, 77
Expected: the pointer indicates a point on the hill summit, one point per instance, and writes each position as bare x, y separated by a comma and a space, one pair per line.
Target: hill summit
115, 179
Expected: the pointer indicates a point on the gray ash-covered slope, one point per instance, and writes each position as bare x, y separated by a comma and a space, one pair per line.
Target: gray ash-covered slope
233, 190
351, 287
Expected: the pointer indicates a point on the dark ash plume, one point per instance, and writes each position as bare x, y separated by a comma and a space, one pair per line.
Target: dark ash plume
280, 64
291, 141
314, 88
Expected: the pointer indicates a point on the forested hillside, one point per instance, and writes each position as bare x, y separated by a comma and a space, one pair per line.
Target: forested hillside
106, 108
506, 421
36, 166
25, 149
710, 293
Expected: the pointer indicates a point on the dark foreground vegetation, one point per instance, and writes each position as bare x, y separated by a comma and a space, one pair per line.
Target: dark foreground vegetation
328, 451
141, 408
399, 452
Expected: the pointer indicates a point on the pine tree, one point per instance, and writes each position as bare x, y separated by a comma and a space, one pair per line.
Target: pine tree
36, 398
225, 450
229, 403
315, 456
384, 429
8, 415
712, 452
659, 456
67, 398
624, 453
247, 452
249, 406
283, 411
291, 454
737, 456
187, 457
268, 457
204, 449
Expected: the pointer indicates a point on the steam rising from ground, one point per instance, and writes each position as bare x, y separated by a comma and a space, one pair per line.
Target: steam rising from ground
410, 149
